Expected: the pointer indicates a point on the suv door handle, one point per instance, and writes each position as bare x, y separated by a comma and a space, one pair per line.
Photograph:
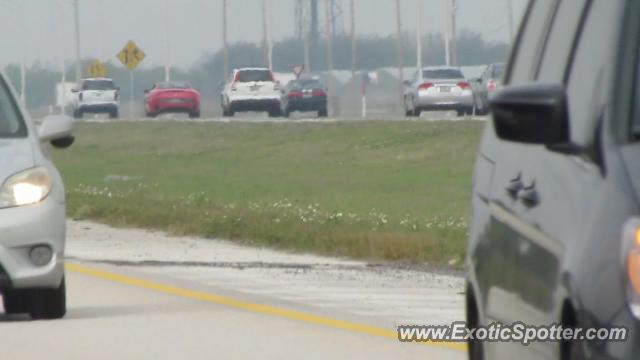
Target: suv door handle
529, 196
514, 187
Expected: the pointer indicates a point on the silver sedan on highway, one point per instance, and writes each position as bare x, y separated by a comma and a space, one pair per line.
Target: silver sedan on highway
438, 89
32, 211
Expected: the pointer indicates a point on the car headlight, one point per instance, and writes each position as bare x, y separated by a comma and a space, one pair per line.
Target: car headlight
25, 188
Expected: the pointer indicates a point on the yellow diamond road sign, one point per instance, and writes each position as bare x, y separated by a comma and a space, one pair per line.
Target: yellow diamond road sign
131, 55
96, 69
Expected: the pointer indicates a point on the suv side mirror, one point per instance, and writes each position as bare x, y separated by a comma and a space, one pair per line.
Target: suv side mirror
531, 114
57, 129
75, 91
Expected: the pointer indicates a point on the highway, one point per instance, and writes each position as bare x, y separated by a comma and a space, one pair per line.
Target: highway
136, 294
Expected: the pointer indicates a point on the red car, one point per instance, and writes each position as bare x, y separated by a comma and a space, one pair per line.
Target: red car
172, 96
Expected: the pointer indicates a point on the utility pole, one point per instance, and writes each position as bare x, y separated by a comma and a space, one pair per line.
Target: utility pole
328, 11
269, 42
23, 66
225, 40
76, 12
313, 32
266, 35
510, 20
419, 35
167, 44
450, 33
454, 33
354, 47
399, 48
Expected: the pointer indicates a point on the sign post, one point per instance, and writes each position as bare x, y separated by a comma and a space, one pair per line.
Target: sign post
131, 56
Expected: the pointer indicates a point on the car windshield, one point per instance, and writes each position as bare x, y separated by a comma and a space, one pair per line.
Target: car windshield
442, 74
498, 71
174, 85
98, 85
254, 75
11, 123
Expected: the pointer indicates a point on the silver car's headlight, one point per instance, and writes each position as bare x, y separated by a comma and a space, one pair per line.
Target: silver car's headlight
25, 188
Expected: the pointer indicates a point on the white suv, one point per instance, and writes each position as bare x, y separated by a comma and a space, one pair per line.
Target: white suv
96, 95
32, 211
252, 89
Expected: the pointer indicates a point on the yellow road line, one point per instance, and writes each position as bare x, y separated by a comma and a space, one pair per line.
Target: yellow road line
256, 308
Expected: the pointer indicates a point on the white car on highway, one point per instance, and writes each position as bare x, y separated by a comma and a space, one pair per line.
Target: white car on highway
96, 95
440, 88
32, 211
252, 89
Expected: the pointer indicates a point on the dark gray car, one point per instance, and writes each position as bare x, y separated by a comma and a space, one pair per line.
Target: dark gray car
555, 229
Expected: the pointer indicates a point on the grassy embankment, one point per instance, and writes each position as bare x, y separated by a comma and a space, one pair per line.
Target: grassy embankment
374, 190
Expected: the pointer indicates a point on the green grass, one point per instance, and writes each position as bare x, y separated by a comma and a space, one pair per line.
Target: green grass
374, 190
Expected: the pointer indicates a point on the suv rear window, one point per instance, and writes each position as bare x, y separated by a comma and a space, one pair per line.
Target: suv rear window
11, 122
254, 75
307, 84
442, 74
98, 85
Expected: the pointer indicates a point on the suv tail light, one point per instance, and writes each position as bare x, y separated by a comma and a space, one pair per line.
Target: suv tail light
425, 86
464, 85
294, 95
492, 86
319, 93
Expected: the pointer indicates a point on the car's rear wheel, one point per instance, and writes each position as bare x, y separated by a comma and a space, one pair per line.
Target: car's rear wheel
15, 302
323, 113
194, 115
286, 113
48, 303
78, 114
113, 114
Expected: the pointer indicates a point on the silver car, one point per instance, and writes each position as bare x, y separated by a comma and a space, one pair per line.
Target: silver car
438, 89
32, 211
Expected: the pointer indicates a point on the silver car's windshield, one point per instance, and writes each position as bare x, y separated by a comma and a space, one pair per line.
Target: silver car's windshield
11, 122
442, 74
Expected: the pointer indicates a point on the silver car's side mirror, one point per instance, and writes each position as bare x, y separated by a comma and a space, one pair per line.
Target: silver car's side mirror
57, 129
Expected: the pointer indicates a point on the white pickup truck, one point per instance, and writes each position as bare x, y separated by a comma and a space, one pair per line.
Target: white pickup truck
96, 95
252, 89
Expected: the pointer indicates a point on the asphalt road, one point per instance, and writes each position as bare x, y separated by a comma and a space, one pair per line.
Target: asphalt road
129, 300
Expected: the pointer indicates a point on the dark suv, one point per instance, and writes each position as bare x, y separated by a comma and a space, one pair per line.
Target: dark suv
555, 229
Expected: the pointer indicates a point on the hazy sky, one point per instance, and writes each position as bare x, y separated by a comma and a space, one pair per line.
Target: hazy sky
42, 30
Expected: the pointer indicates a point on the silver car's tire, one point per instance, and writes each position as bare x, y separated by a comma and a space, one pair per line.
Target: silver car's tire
48, 303
15, 302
